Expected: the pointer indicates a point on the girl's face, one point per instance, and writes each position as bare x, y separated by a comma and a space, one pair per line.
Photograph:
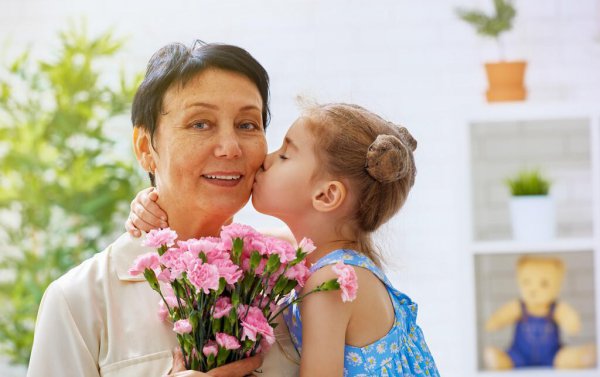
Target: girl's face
283, 188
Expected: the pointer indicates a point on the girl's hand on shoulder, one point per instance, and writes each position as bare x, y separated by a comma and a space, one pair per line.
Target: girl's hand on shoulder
145, 213
241, 368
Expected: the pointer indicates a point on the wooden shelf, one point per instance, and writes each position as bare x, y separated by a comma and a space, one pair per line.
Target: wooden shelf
563, 245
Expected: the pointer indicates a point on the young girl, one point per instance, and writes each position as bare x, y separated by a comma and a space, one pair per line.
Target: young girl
340, 174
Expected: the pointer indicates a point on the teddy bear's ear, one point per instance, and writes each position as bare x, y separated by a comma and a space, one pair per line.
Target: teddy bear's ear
560, 266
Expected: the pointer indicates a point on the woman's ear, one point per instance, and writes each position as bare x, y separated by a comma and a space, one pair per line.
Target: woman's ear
143, 149
329, 196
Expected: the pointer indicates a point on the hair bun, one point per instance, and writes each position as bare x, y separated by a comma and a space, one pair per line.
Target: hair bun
389, 158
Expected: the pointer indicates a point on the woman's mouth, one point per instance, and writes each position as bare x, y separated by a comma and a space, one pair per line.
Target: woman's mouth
223, 179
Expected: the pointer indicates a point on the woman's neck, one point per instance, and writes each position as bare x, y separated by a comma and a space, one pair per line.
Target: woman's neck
192, 223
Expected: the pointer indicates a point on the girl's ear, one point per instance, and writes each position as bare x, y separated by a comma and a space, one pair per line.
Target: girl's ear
329, 196
143, 149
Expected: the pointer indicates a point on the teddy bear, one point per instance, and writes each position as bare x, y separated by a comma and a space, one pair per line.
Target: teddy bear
540, 317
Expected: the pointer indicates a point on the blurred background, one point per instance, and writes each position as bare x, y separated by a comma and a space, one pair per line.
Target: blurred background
69, 69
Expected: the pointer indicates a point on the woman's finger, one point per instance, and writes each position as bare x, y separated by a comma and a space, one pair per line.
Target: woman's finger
240, 368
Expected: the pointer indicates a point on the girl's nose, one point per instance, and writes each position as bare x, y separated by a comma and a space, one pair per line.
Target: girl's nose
268, 161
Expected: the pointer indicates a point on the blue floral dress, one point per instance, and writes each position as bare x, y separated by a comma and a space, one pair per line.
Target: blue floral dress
401, 352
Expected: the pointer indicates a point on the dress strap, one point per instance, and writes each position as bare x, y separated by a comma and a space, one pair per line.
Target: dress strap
354, 258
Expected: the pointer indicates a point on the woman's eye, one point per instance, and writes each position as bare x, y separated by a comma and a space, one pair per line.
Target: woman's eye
200, 125
249, 126
283, 157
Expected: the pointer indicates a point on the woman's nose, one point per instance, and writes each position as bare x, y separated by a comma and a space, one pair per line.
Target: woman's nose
228, 145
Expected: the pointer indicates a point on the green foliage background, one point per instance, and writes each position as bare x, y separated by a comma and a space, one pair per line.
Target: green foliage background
490, 25
64, 192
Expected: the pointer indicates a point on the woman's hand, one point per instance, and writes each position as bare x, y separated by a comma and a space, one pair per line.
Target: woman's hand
145, 213
240, 368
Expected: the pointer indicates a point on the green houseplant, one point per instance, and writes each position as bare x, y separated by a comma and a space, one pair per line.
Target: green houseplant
64, 192
505, 78
531, 206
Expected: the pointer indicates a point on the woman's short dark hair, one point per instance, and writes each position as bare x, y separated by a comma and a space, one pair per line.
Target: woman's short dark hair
176, 63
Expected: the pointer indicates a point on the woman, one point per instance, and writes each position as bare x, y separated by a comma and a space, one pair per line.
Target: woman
199, 122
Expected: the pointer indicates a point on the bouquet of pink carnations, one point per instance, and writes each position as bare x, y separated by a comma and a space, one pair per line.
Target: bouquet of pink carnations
222, 294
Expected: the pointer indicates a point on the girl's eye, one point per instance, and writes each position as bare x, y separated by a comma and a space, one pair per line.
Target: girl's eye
283, 157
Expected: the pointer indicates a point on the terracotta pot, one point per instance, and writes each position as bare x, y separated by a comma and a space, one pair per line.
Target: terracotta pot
505, 81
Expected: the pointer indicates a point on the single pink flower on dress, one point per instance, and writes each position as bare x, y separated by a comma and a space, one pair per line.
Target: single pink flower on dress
149, 260
183, 326
222, 307
227, 341
204, 276
211, 348
298, 272
347, 280
159, 237
255, 323
307, 245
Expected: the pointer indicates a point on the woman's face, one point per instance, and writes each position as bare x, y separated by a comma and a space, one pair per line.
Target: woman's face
209, 143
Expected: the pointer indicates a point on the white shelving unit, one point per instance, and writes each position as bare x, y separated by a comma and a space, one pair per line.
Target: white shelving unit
534, 134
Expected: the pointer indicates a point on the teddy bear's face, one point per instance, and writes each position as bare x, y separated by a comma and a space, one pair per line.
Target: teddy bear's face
539, 281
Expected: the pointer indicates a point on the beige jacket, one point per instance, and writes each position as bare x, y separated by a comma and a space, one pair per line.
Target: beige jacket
97, 320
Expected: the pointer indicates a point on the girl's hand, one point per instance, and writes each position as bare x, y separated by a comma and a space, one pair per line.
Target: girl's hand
240, 368
145, 213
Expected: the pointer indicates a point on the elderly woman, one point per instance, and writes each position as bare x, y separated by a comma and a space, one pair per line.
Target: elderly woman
199, 122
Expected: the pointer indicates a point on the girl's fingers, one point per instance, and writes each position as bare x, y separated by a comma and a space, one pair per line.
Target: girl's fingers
149, 203
142, 212
131, 229
140, 224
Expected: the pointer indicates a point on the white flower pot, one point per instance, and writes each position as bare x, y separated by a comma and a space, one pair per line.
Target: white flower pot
532, 217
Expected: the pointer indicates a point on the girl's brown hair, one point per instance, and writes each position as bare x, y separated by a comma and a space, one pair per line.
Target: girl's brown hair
374, 155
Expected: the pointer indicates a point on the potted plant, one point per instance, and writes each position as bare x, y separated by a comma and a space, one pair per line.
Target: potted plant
505, 78
531, 208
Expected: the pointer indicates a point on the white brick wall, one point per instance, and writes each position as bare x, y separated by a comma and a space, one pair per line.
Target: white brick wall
413, 62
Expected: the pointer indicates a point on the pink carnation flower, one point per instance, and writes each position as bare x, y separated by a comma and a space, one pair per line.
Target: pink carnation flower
204, 276
347, 280
211, 348
233, 231
255, 323
283, 249
298, 272
307, 245
159, 237
183, 326
228, 270
227, 341
149, 260
222, 307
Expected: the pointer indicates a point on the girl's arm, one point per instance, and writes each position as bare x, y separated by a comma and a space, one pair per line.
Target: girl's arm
145, 214
325, 318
